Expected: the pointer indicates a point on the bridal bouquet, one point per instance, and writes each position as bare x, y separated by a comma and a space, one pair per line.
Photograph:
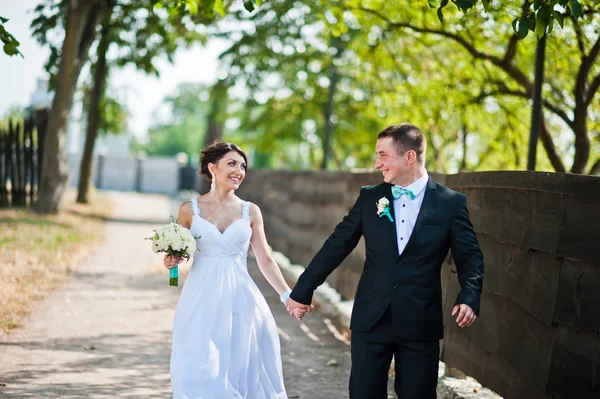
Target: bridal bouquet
173, 239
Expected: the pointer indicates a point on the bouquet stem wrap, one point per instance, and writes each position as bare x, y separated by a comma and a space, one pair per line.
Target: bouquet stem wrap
174, 276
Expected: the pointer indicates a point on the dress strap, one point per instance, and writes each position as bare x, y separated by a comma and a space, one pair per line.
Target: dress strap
195, 206
246, 210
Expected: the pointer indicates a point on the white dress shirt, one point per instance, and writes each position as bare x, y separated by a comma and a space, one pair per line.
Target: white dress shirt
407, 210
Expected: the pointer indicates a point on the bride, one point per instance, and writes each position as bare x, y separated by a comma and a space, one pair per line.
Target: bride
225, 341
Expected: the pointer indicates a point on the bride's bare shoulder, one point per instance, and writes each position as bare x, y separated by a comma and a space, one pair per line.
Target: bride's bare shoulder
186, 212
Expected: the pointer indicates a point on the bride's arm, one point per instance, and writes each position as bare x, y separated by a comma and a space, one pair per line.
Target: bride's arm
264, 258
184, 218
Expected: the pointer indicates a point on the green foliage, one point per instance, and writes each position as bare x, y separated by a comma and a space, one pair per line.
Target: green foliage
11, 45
537, 16
185, 128
139, 33
113, 113
465, 86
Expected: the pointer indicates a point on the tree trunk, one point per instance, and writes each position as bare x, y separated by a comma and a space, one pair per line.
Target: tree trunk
214, 125
548, 144
333, 79
582, 141
82, 18
93, 116
463, 162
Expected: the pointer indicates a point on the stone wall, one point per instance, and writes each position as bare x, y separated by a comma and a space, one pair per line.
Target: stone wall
539, 331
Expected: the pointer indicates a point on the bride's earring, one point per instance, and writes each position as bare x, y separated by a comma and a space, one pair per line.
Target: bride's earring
213, 186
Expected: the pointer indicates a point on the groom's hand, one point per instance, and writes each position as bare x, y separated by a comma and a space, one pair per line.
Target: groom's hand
466, 315
297, 309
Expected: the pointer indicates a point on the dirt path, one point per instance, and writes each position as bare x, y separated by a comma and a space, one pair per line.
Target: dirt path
107, 333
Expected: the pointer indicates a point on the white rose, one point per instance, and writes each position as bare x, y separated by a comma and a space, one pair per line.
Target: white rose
177, 245
384, 201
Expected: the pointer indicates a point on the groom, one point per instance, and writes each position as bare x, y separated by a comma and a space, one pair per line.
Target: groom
409, 223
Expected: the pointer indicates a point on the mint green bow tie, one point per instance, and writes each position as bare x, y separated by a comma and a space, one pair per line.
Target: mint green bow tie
398, 191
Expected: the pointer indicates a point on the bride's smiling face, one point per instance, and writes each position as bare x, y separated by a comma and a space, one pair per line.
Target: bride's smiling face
229, 171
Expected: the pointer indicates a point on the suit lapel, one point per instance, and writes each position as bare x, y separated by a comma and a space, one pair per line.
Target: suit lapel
427, 208
389, 228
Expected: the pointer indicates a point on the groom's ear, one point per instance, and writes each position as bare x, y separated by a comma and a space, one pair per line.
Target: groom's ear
411, 157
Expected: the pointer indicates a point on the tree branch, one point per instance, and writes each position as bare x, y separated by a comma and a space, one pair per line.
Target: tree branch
584, 70
516, 93
579, 35
511, 49
508, 67
548, 144
592, 90
595, 169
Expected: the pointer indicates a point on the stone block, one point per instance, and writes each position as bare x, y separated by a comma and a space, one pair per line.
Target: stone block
527, 278
575, 367
580, 235
578, 296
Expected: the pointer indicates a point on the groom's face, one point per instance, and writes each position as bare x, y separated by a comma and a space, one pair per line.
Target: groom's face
391, 164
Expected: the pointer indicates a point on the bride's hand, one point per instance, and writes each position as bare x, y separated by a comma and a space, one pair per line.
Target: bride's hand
171, 261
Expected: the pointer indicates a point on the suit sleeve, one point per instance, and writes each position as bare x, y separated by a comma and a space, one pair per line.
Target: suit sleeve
336, 248
467, 257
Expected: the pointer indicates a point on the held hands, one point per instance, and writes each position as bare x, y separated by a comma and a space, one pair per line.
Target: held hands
466, 315
297, 310
171, 261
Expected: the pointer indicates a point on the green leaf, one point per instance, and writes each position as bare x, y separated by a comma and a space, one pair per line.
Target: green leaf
563, 3
249, 5
444, 3
158, 5
432, 3
522, 29
10, 49
4, 20
543, 14
532, 22
440, 15
463, 5
259, 2
193, 6
486, 5
219, 7
559, 18
537, 4
514, 25
540, 28
575, 8
550, 26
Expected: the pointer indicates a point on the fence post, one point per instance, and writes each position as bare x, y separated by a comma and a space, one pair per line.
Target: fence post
29, 158
3, 172
41, 120
19, 189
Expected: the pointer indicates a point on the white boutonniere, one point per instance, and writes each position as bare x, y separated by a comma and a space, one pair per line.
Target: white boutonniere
383, 208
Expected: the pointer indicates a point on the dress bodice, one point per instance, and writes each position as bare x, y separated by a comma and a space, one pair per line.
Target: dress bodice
233, 242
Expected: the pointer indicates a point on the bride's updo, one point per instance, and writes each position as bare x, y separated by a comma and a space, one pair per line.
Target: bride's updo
214, 152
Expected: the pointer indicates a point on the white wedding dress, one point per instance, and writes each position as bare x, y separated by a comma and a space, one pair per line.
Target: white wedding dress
225, 341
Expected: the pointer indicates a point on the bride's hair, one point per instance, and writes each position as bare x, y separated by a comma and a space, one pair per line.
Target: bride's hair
214, 152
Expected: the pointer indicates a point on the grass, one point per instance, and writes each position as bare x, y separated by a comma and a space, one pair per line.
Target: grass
40, 252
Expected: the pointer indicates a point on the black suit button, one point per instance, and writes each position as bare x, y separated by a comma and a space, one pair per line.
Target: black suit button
395, 286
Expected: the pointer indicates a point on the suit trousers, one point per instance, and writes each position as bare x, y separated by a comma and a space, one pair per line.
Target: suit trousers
416, 363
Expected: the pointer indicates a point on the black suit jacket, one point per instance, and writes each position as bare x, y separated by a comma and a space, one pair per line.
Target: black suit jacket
410, 282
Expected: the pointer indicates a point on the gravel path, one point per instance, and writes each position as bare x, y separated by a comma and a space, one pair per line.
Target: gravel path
107, 333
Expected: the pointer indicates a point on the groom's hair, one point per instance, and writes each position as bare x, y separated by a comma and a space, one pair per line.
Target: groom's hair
406, 137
